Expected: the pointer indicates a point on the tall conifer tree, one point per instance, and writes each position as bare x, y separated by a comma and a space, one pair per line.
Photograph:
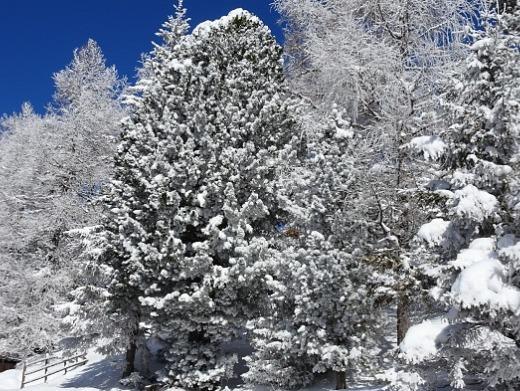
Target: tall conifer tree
196, 191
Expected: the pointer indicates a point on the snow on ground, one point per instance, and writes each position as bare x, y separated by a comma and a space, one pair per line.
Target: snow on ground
103, 374
10, 380
100, 373
325, 383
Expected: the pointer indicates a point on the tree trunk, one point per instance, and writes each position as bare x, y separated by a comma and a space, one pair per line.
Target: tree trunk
403, 319
341, 380
130, 358
144, 359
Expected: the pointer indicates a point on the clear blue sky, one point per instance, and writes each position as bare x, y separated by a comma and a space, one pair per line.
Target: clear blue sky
37, 37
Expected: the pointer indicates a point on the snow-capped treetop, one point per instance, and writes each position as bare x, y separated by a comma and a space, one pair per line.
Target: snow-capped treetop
176, 26
225, 21
86, 78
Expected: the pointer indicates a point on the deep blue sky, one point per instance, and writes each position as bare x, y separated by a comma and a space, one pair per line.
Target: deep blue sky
37, 37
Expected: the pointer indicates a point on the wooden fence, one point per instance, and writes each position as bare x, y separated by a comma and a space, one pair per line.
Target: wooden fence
43, 365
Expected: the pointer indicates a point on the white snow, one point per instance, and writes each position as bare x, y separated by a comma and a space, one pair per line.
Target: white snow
432, 147
342, 133
401, 380
462, 178
317, 236
482, 43
434, 232
216, 221
180, 66
378, 168
479, 249
444, 193
474, 203
323, 383
482, 279
492, 169
482, 283
103, 374
422, 340
10, 380
185, 298
201, 198
509, 247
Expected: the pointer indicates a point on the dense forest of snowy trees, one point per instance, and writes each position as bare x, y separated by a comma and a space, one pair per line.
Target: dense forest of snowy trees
347, 205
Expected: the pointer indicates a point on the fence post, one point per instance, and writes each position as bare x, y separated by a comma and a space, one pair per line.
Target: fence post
23, 374
65, 365
46, 369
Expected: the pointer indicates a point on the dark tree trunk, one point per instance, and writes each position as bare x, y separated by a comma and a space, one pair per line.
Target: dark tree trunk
131, 350
130, 358
341, 380
403, 318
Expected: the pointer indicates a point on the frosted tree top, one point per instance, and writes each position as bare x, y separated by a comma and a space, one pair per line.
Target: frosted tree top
207, 26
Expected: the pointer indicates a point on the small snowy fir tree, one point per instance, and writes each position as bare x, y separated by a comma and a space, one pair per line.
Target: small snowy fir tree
195, 192
324, 296
323, 312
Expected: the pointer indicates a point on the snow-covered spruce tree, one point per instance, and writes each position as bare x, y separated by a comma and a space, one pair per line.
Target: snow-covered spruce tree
195, 192
51, 167
325, 300
475, 235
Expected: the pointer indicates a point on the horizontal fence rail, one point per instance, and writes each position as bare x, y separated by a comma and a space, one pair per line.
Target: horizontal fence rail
47, 363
